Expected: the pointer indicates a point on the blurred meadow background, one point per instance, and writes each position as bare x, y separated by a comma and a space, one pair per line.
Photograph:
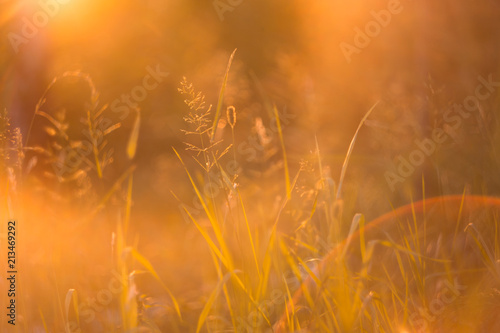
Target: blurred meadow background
174, 165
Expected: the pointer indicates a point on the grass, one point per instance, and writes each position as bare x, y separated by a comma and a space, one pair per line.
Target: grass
377, 277
406, 277
308, 265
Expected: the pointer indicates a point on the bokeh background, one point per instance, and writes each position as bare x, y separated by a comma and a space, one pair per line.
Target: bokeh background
428, 57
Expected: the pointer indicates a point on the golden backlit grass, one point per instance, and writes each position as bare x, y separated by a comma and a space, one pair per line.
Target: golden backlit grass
304, 262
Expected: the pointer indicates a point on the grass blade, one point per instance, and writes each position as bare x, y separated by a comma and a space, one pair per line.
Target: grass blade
134, 137
71, 295
249, 234
209, 240
211, 300
44, 323
354, 226
266, 264
221, 98
285, 159
213, 221
95, 149
351, 147
144, 262
484, 250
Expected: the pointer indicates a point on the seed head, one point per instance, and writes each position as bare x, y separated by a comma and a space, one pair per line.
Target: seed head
231, 116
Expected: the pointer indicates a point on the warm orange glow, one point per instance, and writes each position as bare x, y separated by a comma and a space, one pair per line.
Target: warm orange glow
213, 166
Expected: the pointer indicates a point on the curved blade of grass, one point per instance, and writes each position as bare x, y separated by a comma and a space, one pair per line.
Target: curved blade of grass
307, 269
213, 221
144, 262
331, 312
486, 253
249, 234
460, 210
393, 245
351, 147
354, 226
394, 291
362, 243
227, 181
262, 92
44, 323
295, 270
300, 243
313, 210
266, 264
224, 289
102, 202
128, 206
221, 98
130, 305
218, 235
226, 260
287, 198
320, 165
209, 240
71, 295
39, 104
211, 300
326, 182
285, 159
289, 308
134, 137
95, 148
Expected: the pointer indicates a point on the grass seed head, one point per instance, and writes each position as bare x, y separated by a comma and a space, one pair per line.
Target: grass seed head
231, 116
